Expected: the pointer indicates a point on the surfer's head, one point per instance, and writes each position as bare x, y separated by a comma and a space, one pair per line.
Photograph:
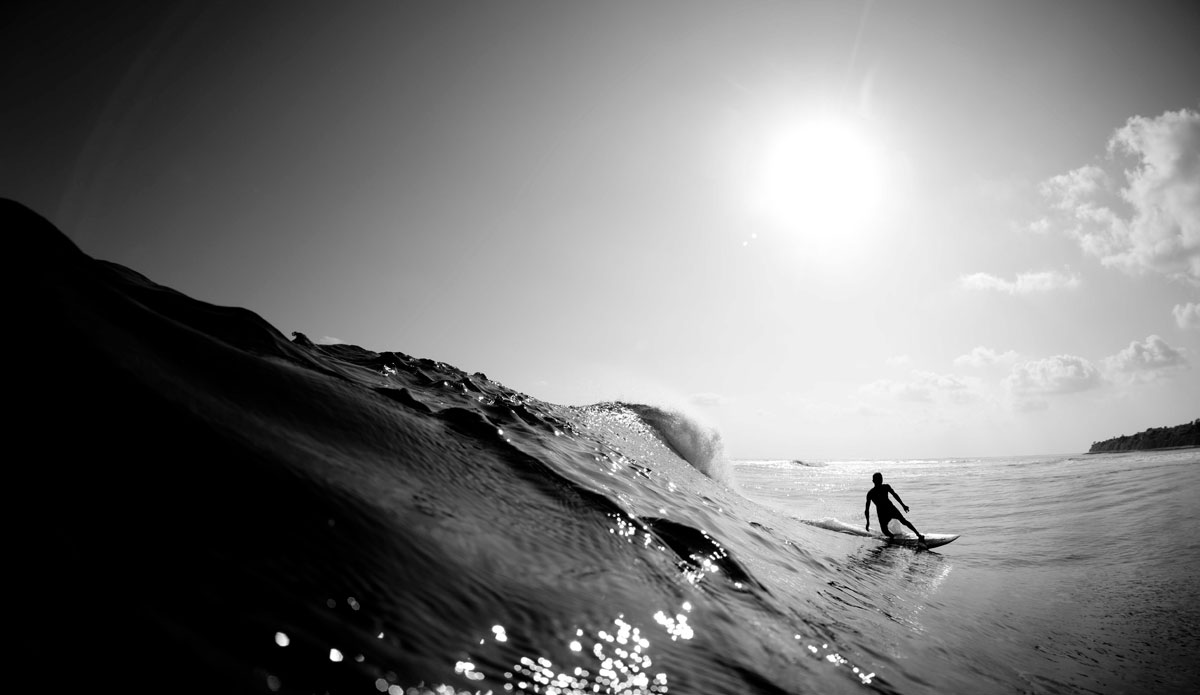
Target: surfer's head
877, 478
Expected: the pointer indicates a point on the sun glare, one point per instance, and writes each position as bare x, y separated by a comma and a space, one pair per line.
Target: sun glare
820, 179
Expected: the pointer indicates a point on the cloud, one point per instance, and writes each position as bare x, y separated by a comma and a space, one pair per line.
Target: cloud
1148, 217
1147, 361
1030, 405
984, 357
1025, 283
1187, 315
1053, 376
1142, 361
926, 387
707, 399
1040, 226
865, 410
900, 390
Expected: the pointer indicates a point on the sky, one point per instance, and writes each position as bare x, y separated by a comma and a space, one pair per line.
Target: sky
830, 230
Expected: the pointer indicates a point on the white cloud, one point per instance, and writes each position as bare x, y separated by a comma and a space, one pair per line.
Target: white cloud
1142, 361
707, 399
865, 410
1146, 361
1187, 315
983, 357
1077, 189
1053, 376
926, 387
1040, 226
1150, 221
1025, 283
1030, 405
900, 390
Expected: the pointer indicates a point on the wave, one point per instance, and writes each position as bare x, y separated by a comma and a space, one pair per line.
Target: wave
780, 463
693, 441
244, 513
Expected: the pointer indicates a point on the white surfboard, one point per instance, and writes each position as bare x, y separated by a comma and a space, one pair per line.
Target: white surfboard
932, 540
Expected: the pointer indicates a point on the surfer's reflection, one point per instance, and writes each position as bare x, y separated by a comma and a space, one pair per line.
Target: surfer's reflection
893, 581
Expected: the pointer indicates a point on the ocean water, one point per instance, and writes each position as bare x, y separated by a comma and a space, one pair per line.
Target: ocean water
1074, 573
203, 505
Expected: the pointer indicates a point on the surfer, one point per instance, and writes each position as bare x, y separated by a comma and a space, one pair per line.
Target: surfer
884, 509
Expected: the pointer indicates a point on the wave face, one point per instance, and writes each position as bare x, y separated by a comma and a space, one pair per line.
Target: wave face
214, 507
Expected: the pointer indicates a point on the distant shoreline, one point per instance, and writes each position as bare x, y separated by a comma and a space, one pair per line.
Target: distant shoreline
1182, 436
1155, 448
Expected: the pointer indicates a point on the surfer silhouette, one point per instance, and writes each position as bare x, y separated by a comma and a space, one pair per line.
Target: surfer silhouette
884, 509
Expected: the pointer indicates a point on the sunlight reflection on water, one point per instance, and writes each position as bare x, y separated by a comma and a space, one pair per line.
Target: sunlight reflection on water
622, 663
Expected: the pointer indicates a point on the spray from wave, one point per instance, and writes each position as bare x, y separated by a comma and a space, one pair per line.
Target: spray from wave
693, 441
840, 526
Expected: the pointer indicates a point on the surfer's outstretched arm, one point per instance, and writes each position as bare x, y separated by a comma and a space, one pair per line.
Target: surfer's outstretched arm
867, 511
902, 504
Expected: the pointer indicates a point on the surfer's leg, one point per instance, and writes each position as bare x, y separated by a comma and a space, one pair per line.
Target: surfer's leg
883, 525
908, 523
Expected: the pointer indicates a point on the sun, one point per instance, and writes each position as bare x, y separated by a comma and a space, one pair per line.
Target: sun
821, 179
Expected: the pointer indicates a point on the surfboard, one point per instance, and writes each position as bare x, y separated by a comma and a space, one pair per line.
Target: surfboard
932, 540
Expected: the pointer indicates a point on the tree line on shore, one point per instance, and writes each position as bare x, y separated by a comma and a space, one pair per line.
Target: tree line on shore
1187, 434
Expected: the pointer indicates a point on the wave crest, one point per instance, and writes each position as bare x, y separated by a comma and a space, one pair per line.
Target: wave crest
693, 441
